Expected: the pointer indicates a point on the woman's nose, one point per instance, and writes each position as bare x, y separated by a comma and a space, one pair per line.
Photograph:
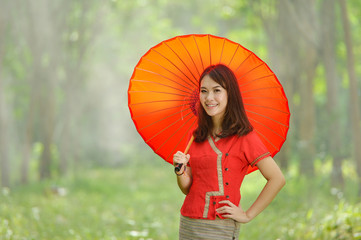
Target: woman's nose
209, 96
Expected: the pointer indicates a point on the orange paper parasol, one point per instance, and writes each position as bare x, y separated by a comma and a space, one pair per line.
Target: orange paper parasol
163, 92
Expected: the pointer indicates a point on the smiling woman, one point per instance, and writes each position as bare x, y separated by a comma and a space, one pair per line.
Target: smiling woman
213, 171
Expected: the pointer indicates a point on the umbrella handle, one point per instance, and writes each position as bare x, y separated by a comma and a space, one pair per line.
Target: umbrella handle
179, 166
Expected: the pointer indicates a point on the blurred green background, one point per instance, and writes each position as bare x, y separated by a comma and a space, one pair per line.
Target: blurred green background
72, 163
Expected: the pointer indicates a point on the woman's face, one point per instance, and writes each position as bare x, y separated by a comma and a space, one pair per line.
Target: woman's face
213, 98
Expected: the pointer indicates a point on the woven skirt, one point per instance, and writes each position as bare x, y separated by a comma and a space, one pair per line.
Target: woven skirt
197, 229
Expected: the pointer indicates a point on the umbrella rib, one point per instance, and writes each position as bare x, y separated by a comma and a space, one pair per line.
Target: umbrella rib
139, 80
272, 130
250, 71
167, 70
183, 64
210, 53
233, 55
174, 134
257, 89
199, 74
256, 79
275, 109
159, 120
155, 73
243, 62
277, 99
273, 120
185, 133
160, 110
220, 59
267, 140
164, 128
176, 94
199, 52
158, 101
174, 65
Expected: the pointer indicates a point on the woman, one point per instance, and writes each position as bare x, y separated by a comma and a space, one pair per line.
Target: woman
211, 175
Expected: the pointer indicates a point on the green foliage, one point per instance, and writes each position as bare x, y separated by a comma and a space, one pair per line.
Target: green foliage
142, 201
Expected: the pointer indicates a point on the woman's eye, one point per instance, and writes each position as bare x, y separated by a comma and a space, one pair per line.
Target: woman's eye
203, 91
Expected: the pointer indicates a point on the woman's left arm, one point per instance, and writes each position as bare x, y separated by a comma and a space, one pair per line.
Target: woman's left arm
275, 182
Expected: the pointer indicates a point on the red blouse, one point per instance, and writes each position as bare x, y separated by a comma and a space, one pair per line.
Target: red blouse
218, 169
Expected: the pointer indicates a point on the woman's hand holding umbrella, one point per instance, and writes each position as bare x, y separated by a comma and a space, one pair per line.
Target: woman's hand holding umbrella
180, 161
184, 174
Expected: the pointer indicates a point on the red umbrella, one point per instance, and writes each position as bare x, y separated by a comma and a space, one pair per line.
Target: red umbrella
163, 91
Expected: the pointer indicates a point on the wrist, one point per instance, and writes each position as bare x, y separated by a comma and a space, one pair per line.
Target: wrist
180, 172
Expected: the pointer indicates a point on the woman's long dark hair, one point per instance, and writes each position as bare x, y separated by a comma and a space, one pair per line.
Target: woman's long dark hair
235, 120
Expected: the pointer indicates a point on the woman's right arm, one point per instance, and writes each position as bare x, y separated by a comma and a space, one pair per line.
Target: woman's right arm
184, 176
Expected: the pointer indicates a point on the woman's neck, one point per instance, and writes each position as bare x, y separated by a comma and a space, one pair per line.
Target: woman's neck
217, 127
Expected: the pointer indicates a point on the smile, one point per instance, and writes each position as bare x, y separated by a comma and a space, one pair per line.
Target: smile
211, 105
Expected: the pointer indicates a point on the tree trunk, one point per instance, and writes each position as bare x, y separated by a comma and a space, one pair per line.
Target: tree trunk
299, 32
281, 52
43, 43
28, 140
329, 62
307, 122
354, 101
4, 157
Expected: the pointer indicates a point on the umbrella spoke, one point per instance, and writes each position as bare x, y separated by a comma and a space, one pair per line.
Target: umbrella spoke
168, 71
176, 131
274, 109
195, 66
268, 141
272, 130
195, 84
220, 58
175, 66
199, 52
158, 74
157, 83
250, 71
242, 62
233, 55
176, 94
269, 98
170, 125
259, 89
254, 80
158, 101
264, 116
160, 110
164, 118
184, 134
210, 52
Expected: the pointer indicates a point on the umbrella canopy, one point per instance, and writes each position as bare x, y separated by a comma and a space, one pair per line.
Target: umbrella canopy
163, 92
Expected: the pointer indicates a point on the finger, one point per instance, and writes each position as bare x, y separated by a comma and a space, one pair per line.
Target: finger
224, 209
227, 202
227, 216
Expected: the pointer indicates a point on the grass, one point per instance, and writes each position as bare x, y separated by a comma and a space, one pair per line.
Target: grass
142, 201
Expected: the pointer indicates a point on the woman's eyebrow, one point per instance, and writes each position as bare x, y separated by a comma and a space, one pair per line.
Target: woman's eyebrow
218, 86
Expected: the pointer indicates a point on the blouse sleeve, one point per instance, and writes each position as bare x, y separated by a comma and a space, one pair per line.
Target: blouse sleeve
254, 149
